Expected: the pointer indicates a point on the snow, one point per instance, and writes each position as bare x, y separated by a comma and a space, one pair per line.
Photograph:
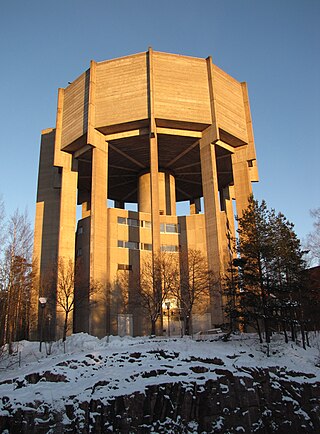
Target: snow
93, 368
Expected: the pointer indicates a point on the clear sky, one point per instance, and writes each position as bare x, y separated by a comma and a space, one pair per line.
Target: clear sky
273, 45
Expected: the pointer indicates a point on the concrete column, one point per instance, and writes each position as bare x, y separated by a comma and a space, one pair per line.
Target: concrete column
154, 195
154, 165
68, 200
167, 193
67, 239
241, 177
144, 198
98, 239
230, 229
85, 209
46, 228
195, 206
68, 213
212, 218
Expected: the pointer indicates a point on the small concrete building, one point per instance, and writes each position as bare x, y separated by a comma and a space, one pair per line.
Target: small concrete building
152, 129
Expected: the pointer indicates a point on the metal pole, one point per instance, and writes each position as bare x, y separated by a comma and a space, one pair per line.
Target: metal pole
42, 301
41, 328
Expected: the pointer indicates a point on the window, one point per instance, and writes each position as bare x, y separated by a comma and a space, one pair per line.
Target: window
80, 230
170, 228
122, 220
133, 222
169, 248
146, 246
133, 245
127, 267
145, 224
79, 252
128, 244
130, 222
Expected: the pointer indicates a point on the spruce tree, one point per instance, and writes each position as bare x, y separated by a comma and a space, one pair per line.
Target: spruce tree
265, 280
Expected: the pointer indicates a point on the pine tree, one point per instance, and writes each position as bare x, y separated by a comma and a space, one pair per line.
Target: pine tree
254, 249
288, 280
265, 280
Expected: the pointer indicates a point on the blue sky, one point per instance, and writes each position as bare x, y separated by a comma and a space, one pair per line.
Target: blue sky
273, 45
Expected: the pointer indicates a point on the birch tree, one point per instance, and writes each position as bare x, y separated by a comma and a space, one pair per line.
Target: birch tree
16, 277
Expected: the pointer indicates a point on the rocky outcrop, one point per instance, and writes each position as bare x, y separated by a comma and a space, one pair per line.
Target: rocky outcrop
251, 400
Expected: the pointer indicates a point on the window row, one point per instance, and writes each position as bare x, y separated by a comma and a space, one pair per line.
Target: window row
134, 222
169, 248
134, 245
171, 228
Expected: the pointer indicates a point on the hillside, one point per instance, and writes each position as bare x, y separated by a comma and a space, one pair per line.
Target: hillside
141, 385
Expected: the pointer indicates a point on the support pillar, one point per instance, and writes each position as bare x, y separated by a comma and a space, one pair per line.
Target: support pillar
67, 239
98, 242
99, 323
211, 200
154, 165
241, 177
230, 229
67, 223
46, 232
195, 206
154, 194
166, 191
212, 219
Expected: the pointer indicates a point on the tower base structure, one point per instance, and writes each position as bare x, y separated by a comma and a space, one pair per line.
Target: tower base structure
155, 130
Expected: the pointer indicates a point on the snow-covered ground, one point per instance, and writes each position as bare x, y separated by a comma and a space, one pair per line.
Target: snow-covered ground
92, 368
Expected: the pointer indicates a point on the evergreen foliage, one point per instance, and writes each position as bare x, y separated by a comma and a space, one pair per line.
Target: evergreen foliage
265, 278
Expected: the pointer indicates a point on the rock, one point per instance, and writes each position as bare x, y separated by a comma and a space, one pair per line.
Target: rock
262, 401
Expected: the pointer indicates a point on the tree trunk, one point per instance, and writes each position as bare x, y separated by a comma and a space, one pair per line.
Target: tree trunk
187, 325
259, 331
303, 335
153, 327
65, 327
285, 332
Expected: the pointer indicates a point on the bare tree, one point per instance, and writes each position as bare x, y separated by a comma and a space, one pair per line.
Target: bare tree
2, 224
120, 292
195, 284
158, 280
69, 276
3, 292
16, 278
313, 239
